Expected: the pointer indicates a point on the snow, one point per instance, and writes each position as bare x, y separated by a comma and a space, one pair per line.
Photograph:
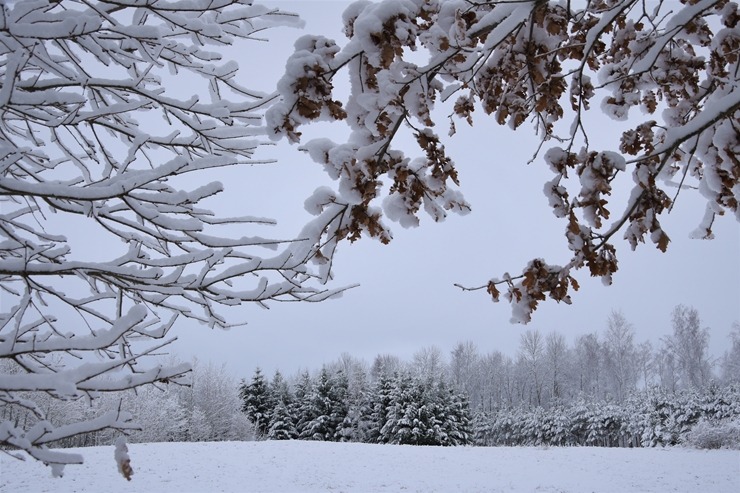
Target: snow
674, 23
301, 466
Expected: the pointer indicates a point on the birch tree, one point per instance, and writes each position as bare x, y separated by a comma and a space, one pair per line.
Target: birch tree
556, 358
113, 116
589, 364
532, 360
464, 370
731, 360
541, 63
428, 364
620, 355
689, 346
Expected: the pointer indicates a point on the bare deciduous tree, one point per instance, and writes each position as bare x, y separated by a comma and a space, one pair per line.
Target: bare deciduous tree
492, 375
589, 358
105, 241
429, 364
464, 371
620, 355
689, 346
644, 362
556, 356
385, 365
532, 358
731, 359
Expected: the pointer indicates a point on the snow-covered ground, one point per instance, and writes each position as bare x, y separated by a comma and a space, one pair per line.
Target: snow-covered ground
299, 466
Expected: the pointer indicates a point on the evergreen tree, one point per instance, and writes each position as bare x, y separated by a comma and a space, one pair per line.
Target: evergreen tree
302, 408
282, 419
356, 425
256, 402
322, 426
424, 410
282, 425
396, 428
279, 391
481, 429
454, 418
425, 413
339, 396
377, 404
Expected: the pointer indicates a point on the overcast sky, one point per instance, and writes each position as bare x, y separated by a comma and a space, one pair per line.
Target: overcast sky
406, 299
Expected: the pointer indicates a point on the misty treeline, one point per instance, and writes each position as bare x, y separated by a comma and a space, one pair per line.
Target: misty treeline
605, 389
208, 409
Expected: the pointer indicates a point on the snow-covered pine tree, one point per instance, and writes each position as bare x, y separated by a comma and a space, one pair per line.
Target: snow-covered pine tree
480, 427
340, 399
378, 403
321, 426
455, 427
302, 408
400, 411
281, 406
282, 425
279, 391
255, 398
356, 425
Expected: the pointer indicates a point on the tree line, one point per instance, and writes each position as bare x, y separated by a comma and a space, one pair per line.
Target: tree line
340, 404
704, 418
207, 409
608, 365
405, 407
605, 389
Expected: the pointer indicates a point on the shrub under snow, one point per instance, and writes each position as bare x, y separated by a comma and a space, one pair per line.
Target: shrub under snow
715, 435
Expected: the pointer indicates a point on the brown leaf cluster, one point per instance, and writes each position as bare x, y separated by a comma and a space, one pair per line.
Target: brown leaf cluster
538, 282
314, 93
639, 140
464, 107
541, 279
600, 177
361, 219
644, 218
125, 469
524, 77
387, 41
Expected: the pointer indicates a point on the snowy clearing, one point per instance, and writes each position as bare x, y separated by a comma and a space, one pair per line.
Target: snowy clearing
301, 466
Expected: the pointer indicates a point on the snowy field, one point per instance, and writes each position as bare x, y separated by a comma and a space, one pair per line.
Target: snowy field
300, 466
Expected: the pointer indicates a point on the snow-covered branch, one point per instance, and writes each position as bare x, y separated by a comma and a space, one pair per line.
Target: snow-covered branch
540, 61
106, 241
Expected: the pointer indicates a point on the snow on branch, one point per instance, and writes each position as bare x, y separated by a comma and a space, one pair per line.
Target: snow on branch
534, 61
104, 245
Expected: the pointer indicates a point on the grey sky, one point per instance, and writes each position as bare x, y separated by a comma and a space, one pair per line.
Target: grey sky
407, 299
